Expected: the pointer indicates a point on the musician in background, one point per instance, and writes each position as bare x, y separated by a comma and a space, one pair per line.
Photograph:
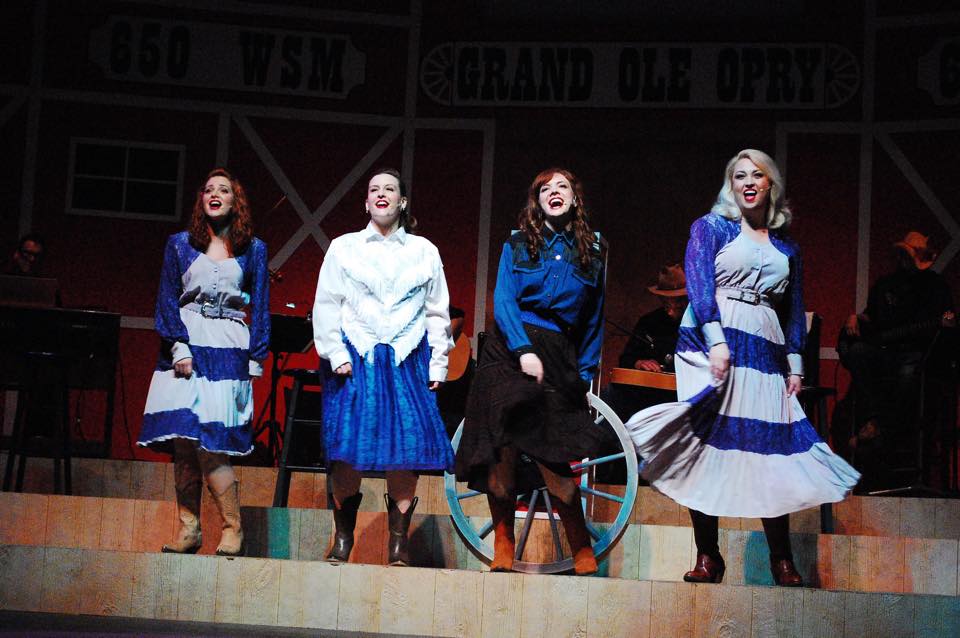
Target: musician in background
886, 343
652, 343
27, 259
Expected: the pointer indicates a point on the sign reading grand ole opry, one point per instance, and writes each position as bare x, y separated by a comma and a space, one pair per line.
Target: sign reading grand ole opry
617, 75
220, 55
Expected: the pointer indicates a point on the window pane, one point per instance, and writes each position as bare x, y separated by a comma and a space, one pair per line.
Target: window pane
155, 164
92, 159
152, 199
97, 194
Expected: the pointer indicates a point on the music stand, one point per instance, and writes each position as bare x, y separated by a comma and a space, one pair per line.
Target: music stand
288, 333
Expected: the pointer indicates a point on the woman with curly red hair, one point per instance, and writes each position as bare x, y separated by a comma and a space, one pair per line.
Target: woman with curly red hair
200, 403
528, 399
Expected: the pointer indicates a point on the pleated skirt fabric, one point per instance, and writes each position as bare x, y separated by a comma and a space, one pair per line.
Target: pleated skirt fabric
214, 406
549, 422
743, 447
384, 416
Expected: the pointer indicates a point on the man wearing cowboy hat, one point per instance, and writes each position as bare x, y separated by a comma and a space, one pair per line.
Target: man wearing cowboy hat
884, 346
654, 338
652, 343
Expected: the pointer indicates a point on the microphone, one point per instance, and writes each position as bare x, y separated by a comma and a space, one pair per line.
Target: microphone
630, 333
275, 275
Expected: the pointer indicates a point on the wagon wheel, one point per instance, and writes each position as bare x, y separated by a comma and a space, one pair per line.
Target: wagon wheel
436, 74
842, 77
476, 534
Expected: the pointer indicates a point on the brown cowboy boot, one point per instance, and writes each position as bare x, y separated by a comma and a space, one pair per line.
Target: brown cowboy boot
784, 573
709, 569
189, 486
345, 521
502, 513
399, 524
228, 504
584, 561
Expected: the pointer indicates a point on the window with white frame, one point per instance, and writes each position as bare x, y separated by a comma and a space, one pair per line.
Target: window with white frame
114, 178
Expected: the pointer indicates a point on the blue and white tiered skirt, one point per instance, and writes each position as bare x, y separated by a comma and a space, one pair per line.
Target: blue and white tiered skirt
383, 416
741, 448
214, 407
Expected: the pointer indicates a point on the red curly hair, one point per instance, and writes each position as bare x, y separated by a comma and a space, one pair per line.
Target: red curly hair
532, 218
241, 222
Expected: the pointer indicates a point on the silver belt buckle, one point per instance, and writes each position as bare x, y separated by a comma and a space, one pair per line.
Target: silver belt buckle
751, 297
214, 311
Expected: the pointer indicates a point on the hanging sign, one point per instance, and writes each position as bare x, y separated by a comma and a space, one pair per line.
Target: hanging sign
939, 72
628, 75
215, 55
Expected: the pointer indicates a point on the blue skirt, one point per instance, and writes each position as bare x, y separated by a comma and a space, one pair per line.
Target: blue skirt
383, 416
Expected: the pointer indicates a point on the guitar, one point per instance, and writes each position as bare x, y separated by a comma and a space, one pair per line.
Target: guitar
459, 358
874, 336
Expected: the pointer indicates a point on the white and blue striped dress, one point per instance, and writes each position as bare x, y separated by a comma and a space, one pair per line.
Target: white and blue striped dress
201, 307
741, 448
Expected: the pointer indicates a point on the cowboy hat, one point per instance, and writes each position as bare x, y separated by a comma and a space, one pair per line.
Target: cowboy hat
671, 282
917, 246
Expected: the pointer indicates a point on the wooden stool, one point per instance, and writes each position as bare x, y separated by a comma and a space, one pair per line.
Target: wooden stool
301, 378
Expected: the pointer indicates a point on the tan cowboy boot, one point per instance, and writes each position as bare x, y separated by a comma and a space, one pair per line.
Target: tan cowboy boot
228, 504
189, 486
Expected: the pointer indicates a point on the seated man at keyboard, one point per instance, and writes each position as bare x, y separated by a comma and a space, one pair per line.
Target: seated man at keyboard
652, 343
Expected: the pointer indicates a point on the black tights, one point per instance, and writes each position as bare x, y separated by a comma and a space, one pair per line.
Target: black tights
706, 534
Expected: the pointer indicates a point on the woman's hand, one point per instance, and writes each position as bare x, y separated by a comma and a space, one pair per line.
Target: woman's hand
183, 368
433, 386
344, 371
719, 361
531, 365
794, 383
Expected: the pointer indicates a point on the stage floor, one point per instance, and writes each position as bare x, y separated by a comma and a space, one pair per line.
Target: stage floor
63, 626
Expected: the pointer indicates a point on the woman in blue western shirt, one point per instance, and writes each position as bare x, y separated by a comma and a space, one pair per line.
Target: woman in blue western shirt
529, 394
738, 444
200, 402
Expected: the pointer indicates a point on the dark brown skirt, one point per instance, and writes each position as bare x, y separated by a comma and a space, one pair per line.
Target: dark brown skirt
549, 422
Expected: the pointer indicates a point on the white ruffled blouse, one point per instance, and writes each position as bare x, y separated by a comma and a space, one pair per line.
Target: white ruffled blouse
378, 289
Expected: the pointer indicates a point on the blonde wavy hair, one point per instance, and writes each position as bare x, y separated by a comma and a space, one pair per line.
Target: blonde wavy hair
778, 211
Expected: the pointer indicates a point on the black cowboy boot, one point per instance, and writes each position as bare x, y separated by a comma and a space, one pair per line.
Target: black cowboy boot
345, 520
399, 523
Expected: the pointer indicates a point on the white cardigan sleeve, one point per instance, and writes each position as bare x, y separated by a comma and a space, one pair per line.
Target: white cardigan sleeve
327, 311
437, 310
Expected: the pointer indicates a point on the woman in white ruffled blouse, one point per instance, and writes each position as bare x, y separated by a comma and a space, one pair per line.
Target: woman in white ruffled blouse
382, 327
